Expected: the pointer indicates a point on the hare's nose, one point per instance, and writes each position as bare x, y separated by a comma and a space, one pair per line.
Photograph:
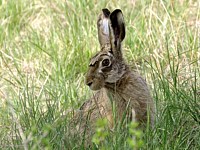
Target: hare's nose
89, 83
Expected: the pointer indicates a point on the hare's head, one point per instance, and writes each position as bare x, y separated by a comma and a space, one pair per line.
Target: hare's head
107, 66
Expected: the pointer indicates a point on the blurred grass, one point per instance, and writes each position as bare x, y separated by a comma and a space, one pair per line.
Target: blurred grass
45, 47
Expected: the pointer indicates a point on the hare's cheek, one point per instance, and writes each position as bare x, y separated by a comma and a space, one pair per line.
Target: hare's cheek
113, 76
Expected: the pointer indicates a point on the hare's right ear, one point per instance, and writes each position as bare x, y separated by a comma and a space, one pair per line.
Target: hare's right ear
103, 28
118, 32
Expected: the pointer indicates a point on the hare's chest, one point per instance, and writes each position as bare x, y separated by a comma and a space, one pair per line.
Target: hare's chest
115, 108
110, 106
122, 109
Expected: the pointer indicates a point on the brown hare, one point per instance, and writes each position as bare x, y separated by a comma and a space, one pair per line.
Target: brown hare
116, 85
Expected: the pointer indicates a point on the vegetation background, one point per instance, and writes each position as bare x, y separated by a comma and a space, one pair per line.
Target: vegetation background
45, 48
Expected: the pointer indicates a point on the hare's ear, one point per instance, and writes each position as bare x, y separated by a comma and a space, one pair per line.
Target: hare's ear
103, 28
118, 32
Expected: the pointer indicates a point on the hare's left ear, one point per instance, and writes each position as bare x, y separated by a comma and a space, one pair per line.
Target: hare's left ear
118, 32
103, 28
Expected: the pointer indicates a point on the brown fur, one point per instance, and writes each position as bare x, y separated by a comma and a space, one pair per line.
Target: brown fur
116, 85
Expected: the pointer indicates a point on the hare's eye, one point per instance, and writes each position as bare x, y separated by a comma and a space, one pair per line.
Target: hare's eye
105, 62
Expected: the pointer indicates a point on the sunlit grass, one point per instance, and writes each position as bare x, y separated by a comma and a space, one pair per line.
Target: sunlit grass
45, 47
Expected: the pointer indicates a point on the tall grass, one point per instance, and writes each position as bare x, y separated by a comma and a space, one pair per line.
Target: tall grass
45, 47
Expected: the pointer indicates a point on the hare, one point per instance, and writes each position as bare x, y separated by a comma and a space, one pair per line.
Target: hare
116, 85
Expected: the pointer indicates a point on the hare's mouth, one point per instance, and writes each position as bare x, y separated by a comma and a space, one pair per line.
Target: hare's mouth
89, 83
94, 85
